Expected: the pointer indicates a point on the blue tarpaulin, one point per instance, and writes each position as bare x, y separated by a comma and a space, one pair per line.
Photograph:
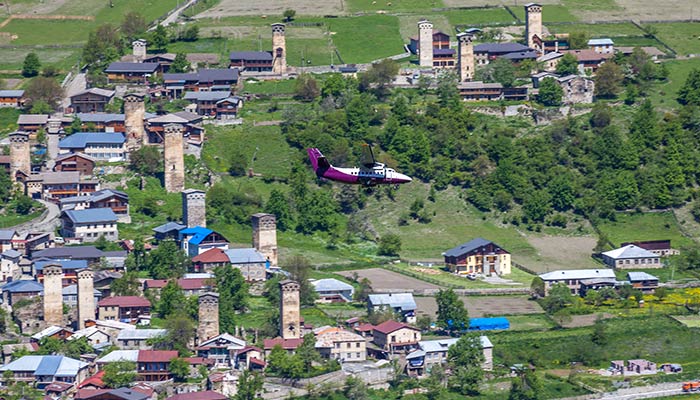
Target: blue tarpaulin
488, 324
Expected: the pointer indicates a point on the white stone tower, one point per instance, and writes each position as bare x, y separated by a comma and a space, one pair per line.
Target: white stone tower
53, 295
425, 43
173, 156
533, 23
465, 56
86, 297
279, 49
290, 321
208, 326
19, 154
134, 114
265, 236
194, 208
138, 47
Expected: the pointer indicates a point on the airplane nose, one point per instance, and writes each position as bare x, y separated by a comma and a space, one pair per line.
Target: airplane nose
403, 178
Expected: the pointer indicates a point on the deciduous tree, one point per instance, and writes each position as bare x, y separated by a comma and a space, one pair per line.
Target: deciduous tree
466, 358
452, 316
608, 80
180, 369
567, 65
133, 26
42, 89
180, 64
31, 65
119, 374
250, 385
233, 295
389, 245
550, 93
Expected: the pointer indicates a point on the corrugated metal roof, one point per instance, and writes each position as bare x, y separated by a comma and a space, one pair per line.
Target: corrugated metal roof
140, 334
467, 247
81, 139
65, 264
12, 253
169, 227
132, 67
629, 251
7, 234
120, 355
91, 215
641, 276
83, 252
601, 42
11, 93
23, 287
499, 48
244, 256
404, 301
578, 274
207, 96
331, 284
251, 55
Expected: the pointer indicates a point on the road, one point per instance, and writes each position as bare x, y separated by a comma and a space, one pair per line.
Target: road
73, 87
45, 223
170, 19
646, 392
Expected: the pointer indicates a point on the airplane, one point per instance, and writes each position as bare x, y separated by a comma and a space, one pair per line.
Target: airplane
371, 173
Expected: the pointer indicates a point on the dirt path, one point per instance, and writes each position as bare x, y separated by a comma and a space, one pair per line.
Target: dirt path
47, 222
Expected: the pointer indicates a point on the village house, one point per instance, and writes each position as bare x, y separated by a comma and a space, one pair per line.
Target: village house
133, 393
339, 344
197, 240
53, 186
123, 308
208, 80
105, 122
658, 247
288, 345
101, 146
89, 253
154, 365
252, 264
478, 256
91, 100
210, 259
221, 348
487, 52
228, 108
90, 224
6, 238
588, 60
400, 303
550, 61
392, 336
332, 291
577, 89
83, 164
12, 98
643, 281
434, 352
191, 123
480, 91
94, 335
9, 265
28, 243
116, 200
54, 332
251, 61
138, 339
189, 286
631, 257
573, 277
168, 231
205, 102
129, 72
32, 123
69, 268
250, 358
6, 164
14, 291
164, 60
653, 52
602, 46
70, 295
205, 395
41, 371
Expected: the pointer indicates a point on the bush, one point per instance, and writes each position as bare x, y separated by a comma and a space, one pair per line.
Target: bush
389, 245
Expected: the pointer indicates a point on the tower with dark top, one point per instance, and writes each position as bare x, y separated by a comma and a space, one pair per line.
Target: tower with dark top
290, 319
279, 49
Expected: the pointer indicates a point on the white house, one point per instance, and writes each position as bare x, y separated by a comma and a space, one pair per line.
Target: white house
333, 291
573, 277
602, 46
631, 257
433, 352
88, 225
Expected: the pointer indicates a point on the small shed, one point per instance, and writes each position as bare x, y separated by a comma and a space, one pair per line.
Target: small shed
488, 324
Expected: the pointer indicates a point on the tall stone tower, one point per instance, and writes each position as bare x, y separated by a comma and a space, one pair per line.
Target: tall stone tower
134, 113
53, 295
138, 47
194, 208
19, 154
208, 316
465, 56
86, 297
533, 23
425, 43
265, 236
279, 49
290, 325
173, 154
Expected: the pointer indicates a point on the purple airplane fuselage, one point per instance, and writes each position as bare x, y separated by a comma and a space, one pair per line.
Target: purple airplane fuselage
378, 174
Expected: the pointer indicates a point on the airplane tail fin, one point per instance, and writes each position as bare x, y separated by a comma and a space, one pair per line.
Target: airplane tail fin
318, 160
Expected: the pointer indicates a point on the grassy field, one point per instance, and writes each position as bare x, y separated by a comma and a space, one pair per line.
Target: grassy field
13, 219
269, 87
8, 120
681, 36
550, 13
533, 322
482, 16
350, 37
391, 5
645, 226
598, 30
691, 321
39, 32
664, 95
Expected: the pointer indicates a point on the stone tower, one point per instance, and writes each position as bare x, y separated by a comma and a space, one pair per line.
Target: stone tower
208, 316
194, 208
465, 56
279, 49
290, 326
265, 236
19, 154
134, 113
533, 23
138, 47
425, 43
173, 155
86, 297
53, 295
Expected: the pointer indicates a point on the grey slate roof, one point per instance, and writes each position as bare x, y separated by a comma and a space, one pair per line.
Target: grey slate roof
7, 234
467, 247
11, 93
78, 252
100, 117
629, 251
404, 301
251, 55
96, 91
244, 256
578, 274
143, 68
640, 276
91, 215
32, 119
169, 227
207, 96
500, 48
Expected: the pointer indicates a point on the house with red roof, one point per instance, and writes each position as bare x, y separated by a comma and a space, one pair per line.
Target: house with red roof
290, 345
154, 365
220, 348
249, 357
210, 259
123, 308
93, 382
395, 336
190, 286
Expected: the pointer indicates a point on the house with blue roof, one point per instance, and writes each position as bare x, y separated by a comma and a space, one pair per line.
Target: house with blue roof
102, 146
17, 290
43, 370
88, 225
196, 240
252, 264
478, 256
9, 265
